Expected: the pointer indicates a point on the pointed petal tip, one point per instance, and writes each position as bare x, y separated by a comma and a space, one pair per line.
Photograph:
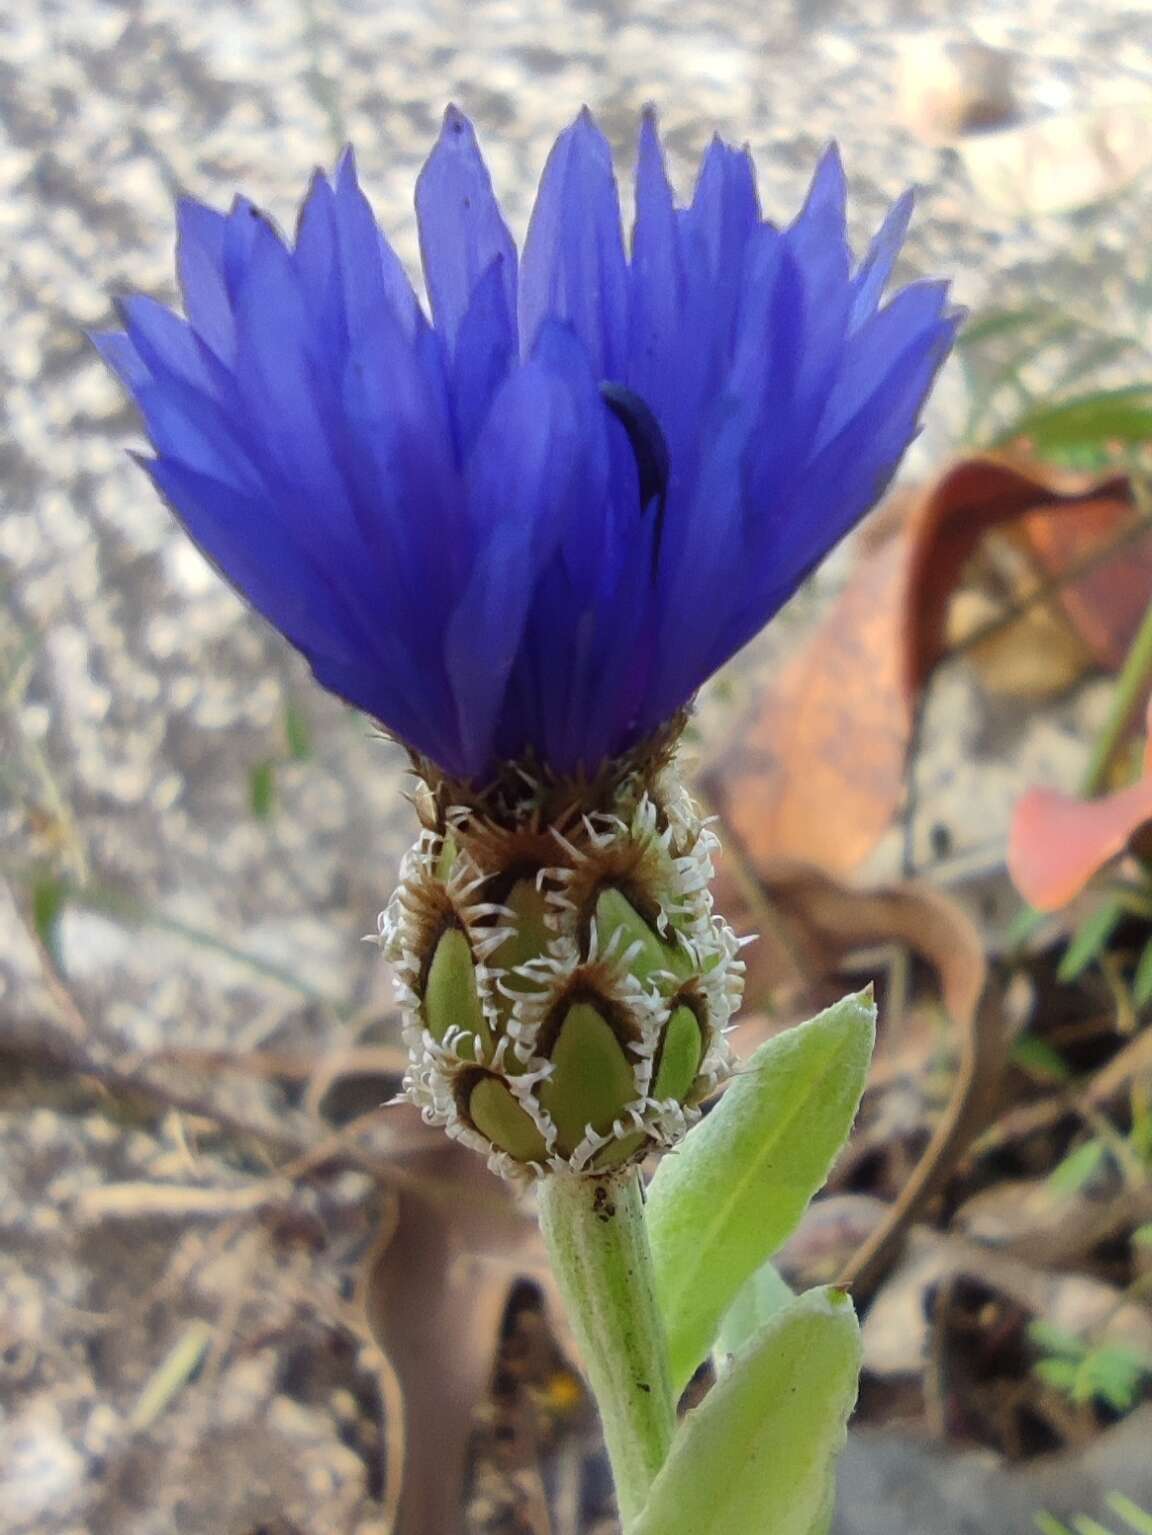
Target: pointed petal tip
346, 173
455, 120
189, 208
829, 184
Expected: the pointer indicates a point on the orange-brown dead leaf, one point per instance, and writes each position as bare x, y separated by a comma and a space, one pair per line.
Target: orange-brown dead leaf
1106, 603
979, 494
818, 922
816, 770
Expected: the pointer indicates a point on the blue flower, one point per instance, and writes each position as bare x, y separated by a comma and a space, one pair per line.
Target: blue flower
537, 522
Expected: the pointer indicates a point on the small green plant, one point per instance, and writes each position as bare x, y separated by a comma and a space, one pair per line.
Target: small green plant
1133, 1516
1030, 373
1090, 1372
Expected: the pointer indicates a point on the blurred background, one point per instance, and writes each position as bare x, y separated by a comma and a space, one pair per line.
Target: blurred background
235, 1295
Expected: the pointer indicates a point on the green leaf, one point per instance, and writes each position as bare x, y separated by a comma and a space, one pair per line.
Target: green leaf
1090, 939
1114, 1375
1039, 1060
1054, 1340
49, 897
759, 1452
262, 789
1078, 1168
1024, 924
1088, 420
1137, 1517
1048, 1524
1142, 1236
1061, 1374
761, 1298
297, 732
1142, 980
1084, 1525
720, 1206
993, 323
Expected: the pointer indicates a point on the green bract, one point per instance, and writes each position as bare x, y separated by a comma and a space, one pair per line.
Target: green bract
565, 981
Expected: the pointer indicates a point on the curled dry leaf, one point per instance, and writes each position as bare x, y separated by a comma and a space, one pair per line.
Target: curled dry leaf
982, 493
1058, 842
435, 1289
815, 770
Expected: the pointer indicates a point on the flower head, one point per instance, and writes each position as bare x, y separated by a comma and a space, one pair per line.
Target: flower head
535, 523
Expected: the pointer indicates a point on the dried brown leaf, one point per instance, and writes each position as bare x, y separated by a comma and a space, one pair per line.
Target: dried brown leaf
435, 1289
816, 769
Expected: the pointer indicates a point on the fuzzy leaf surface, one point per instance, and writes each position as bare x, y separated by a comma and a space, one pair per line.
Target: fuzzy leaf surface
743, 1177
758, 1454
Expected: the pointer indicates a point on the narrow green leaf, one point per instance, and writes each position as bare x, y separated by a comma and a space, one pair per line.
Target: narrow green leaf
1078, 1168
49, 897
1090, 939
993, 323
1083, 1525
736, 1189
1089, 420
1140, 1519
262, 789
297, 732
759, 1452
1048, 1525
1142, 980
1039, 1060
1024, 924
759, 1300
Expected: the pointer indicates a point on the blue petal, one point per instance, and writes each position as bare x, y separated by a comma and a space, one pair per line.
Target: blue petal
166, 344
872, 277
274, 371
371, 271
245, 540
515, 475
241, 227
200, 267
659, 346
193, 431
317, 260
446, 517
462, 231
725, 207
485, 350
902, 327
710, 559
574, 266
122, 357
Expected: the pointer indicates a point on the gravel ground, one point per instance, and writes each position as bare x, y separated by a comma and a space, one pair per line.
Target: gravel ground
143, 704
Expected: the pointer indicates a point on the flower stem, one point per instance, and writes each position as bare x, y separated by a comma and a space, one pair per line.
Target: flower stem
598, 1243
1131, 688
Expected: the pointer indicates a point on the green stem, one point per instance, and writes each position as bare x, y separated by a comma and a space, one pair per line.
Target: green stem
1131, 686
598, 1243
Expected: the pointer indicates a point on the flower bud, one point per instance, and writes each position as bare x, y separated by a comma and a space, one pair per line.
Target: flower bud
565, 983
